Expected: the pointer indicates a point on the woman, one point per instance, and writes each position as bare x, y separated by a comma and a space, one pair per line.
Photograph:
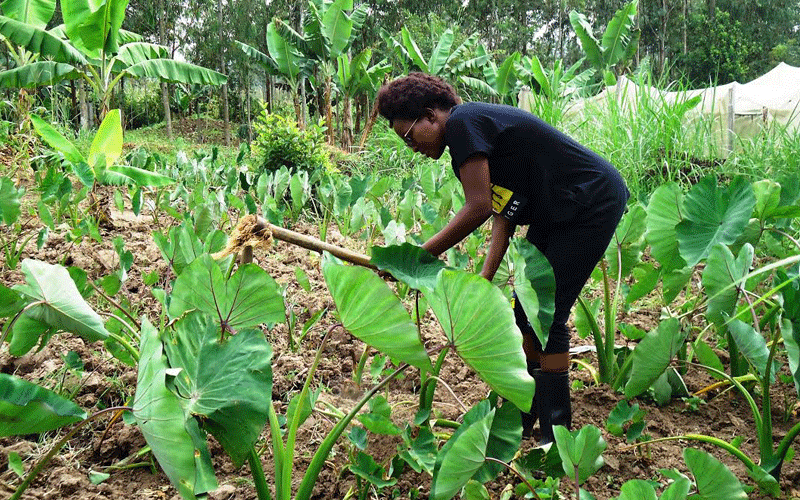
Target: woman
518, 170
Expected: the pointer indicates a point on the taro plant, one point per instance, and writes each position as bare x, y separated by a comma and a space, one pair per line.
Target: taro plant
682, 230
48, 302
14, 243
98, 168
718, 226
581, 456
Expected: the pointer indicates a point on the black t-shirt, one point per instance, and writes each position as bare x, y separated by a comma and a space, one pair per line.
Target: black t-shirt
538, 174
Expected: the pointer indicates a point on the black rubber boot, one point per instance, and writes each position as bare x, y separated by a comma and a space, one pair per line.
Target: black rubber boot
552, 403
530, 418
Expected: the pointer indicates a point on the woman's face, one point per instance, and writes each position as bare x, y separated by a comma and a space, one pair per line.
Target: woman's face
424, 135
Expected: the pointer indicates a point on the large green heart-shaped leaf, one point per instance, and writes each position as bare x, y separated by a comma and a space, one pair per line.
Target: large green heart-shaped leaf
173, 436
504, 440
479, 324
411, 264
463, 455
790, 326
713, 215
628, 242
752, 345
227, 384
248, 298
10, 201
26, 332
721, 272
535, 287
62, 306
652, 356
582, 450
637, 489
663, 215
768, 197
714, 480
678, 490
26, 408
373, 313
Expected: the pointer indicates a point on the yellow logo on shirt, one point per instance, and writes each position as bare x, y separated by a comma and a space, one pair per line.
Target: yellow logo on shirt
500, 198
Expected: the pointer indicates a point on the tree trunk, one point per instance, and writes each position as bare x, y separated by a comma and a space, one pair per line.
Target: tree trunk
662, 48
329, 108
74, 97
84, 106
359, 110
225, 111
122, 115
347, 123
268, 92
164, 90
249, 108
373, 115
685, 25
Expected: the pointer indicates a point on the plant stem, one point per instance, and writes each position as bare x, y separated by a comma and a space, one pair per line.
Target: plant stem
60, 444
315, 467
736, 452
124, 343
291, 427
262, 489
117, 305
516, 473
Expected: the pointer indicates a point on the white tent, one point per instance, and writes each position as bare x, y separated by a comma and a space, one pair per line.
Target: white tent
735, 110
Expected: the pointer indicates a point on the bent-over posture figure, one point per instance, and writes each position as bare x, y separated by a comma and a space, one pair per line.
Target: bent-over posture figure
518, 170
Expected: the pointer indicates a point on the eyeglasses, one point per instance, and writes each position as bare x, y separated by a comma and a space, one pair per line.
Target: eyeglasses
410, 140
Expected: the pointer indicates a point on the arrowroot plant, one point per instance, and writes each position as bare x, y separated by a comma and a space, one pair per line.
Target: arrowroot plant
717, 226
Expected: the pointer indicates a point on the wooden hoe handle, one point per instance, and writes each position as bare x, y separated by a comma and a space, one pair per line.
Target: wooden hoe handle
312, 243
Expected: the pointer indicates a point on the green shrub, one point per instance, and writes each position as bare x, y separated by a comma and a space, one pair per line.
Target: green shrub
279, 142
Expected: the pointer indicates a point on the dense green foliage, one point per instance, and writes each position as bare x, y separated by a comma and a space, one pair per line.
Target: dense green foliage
279, 142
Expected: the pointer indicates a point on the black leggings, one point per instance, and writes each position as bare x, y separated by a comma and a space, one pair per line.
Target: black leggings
573, 250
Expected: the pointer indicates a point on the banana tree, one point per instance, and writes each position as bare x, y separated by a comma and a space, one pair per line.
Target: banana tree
283, 60
91, 46
617, 46
329, 32
444, 61
356, 77
500, 82
34, 12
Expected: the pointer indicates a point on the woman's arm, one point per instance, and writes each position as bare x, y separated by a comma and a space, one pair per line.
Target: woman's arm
477, 207
502, 230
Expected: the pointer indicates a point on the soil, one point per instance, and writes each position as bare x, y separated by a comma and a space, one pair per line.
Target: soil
113, 446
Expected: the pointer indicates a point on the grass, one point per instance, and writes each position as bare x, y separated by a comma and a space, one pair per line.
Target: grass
653, 141
154, 139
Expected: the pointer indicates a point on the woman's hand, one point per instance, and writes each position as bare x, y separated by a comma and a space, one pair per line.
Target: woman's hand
502, 229
477, 207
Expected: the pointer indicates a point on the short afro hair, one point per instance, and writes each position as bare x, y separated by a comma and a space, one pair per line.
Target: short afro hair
407, 97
